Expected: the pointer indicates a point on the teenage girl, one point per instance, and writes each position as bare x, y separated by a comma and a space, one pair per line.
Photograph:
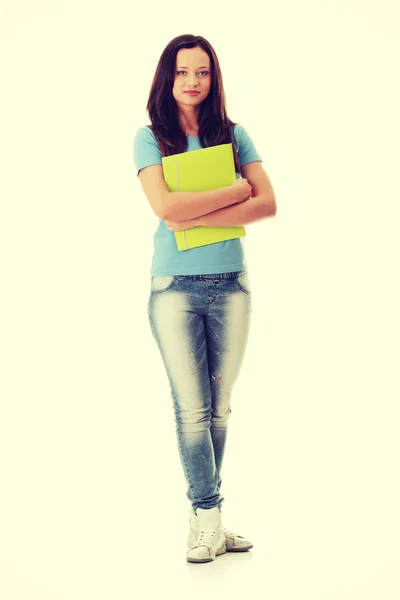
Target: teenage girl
200, 299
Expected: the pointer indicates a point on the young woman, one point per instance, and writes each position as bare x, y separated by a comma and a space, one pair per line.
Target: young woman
200, 299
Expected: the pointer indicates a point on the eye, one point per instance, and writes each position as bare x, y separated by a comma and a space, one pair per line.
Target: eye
179, 72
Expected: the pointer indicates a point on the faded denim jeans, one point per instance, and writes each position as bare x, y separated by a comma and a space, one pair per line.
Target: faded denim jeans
201, 324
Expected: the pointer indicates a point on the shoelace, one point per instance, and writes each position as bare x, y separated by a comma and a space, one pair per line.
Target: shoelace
206, 538
228, 533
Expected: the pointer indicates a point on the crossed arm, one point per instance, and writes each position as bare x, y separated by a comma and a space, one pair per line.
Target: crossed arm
258, 207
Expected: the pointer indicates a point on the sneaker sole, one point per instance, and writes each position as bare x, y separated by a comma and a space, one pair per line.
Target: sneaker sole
239, 549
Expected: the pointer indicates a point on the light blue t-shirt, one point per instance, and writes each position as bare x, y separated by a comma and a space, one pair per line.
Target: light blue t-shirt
222, 257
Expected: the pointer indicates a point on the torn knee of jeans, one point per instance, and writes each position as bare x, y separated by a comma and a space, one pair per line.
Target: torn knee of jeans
217, 377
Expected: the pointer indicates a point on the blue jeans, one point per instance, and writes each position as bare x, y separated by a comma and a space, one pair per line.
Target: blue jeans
201, 324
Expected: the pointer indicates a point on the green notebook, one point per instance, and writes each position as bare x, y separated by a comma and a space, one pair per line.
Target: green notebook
198, 171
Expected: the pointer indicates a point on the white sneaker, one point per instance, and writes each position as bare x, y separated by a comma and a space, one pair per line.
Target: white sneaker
210, 539
233, 542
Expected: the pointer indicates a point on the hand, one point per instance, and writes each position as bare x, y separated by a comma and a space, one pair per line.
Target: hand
180, 225
243, 189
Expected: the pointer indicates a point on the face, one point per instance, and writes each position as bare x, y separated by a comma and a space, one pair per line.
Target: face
192, 72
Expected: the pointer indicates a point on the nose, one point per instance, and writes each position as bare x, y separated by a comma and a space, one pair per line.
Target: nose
192, 81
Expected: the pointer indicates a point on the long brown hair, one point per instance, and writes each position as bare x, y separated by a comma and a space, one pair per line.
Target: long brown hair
215, 127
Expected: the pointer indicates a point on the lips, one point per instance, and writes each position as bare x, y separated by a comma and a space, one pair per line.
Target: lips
192, 93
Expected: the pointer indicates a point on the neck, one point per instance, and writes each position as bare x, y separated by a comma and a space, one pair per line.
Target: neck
188, 120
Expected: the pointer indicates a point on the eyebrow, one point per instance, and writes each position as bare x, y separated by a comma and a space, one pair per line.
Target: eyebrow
203, 67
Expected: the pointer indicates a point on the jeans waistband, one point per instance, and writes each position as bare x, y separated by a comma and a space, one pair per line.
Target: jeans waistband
229, 275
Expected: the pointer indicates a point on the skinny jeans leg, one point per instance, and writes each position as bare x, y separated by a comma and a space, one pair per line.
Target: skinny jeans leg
201, 325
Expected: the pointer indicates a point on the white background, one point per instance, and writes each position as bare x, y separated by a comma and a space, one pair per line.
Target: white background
92, 501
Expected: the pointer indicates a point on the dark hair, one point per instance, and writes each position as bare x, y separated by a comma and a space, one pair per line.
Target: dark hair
215, 127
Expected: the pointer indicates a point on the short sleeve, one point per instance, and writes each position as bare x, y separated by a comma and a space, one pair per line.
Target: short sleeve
146, 151
245, 146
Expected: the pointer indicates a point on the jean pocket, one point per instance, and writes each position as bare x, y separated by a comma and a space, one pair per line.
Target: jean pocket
162, 283
242, 282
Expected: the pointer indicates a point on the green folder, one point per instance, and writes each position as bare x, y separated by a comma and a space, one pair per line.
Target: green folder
198, 171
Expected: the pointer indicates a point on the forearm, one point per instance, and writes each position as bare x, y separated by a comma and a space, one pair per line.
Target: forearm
182, 206
241, 214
